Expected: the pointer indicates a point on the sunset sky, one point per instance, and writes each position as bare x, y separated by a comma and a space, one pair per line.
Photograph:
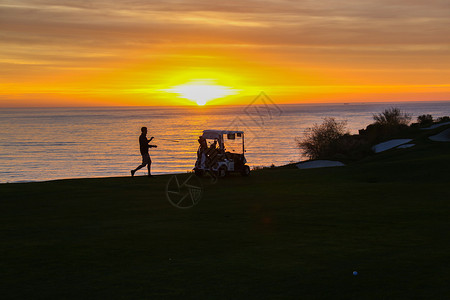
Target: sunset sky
79, 53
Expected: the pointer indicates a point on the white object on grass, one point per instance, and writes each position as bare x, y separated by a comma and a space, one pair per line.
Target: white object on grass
435, 126
443, 136
311, 164
389, 145
404, 146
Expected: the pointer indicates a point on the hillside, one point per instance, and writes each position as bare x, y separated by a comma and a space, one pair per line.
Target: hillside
280, 233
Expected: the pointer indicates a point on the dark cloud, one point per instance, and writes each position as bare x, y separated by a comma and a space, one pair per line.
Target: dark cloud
365, 8
62, 33
116, 25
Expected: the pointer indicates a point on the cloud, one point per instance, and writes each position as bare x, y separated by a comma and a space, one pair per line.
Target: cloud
50, 35
115, 27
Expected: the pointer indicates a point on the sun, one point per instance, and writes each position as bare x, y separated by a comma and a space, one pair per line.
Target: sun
201, 91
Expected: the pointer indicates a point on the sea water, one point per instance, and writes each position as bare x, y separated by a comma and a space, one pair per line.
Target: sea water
53, 143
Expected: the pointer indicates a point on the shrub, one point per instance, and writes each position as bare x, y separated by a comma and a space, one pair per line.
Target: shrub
425, 120
443, 119
388, 124
350, 147
392, 117
320, 140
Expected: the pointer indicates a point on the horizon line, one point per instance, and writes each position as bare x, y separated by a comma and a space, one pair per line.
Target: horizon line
224, 105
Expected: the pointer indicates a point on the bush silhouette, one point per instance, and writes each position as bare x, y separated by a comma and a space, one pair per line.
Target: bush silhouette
320, 140
425, 120
388, 124
392, 117
443, 119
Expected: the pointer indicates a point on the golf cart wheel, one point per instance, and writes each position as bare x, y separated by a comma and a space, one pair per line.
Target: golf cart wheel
198, 172
246, 171
222, 172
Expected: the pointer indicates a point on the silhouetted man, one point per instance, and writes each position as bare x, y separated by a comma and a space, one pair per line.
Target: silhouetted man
201, 155
143, 145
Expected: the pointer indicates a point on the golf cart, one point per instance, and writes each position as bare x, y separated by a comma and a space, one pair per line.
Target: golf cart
221, 152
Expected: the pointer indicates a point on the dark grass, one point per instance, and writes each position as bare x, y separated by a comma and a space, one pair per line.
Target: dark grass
281, 233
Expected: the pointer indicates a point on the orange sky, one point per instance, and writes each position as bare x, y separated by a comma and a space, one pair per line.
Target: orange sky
79, 53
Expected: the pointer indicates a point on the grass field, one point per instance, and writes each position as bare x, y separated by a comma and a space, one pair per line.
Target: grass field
281, 233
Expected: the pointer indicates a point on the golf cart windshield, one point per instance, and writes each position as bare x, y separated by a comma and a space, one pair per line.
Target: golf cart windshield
230, 141
234, 143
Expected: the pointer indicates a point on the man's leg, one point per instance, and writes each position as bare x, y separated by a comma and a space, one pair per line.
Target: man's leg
149, 165
140, 166
144, 163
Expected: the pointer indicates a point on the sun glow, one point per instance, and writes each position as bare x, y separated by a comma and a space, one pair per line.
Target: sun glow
201, 91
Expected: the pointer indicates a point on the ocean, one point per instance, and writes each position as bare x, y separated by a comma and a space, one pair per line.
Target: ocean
38, 144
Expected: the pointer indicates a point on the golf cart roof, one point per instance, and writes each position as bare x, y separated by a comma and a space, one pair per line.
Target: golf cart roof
212, 134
